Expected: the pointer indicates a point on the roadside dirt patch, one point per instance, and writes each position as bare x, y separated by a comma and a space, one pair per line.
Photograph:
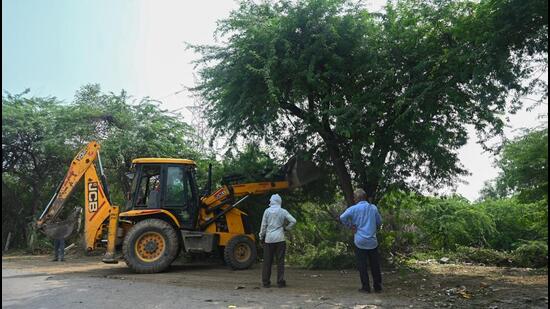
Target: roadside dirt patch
423, 286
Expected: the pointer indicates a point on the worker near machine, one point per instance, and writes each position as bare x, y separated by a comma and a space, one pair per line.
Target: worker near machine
59, 249
272, 232
364, 220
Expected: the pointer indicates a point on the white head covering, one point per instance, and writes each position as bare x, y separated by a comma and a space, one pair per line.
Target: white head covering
275, 201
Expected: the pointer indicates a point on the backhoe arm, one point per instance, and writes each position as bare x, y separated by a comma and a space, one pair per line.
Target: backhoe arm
100, 215
80, 164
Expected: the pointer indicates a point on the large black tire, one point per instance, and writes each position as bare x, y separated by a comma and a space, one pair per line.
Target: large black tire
150, 246
240, 252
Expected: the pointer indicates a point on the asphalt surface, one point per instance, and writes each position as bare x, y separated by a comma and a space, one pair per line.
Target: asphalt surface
21, 289
85, 282
34, 290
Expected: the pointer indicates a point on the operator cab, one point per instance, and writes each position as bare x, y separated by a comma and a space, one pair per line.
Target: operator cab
169, 184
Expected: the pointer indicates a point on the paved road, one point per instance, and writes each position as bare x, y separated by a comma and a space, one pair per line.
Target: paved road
35, 290
22, 289
85, 282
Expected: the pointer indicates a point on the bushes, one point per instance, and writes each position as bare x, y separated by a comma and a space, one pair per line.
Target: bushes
516, 222
501, 232
451, 222
483, 256
326, 256
319, 240
531, 254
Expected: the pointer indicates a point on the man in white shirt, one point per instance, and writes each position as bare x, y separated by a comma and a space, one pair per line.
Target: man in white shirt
272, 232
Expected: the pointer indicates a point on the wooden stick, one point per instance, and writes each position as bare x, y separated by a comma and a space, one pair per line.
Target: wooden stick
7, 242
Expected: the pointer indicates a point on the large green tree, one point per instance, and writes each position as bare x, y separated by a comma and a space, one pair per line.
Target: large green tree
523, 167
386, 97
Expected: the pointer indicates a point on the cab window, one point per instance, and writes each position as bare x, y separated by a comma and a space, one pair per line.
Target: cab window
148, 194
177, 189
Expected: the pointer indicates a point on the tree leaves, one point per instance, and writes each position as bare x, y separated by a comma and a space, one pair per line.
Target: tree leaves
390, 94
40, 136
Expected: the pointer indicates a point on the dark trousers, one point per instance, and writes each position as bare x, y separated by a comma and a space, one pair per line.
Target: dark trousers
59, 248
274, 250
373, 258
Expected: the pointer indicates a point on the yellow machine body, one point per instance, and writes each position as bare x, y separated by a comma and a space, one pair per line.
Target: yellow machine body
164, 213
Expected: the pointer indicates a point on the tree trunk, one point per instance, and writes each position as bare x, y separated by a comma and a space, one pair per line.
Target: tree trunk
31, 230
324, 130
344, 179
371, 188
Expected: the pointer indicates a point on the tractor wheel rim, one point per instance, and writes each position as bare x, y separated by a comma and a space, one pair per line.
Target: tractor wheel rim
150, 246
242, 252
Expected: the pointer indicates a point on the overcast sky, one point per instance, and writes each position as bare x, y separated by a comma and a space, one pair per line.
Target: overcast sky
54, 47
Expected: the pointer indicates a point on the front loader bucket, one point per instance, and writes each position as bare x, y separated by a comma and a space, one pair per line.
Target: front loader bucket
299, 173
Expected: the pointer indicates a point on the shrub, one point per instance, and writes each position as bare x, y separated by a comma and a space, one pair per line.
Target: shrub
516, 222
451, 222
400, 232
531, 254
333, 256
483, 255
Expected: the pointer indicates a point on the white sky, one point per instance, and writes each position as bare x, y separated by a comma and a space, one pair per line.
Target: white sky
156, 63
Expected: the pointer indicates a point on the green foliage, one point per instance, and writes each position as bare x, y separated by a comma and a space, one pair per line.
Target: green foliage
486, 232
532, 254
333, 256
515, 24
40, 136
524, 169
380, 101
516, 222
126, 130
451, 222
388, 94
400, 231
420, 255
485, 256
319, 240
524, 165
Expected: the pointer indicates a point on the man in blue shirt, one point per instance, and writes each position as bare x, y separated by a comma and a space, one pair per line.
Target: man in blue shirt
363, 218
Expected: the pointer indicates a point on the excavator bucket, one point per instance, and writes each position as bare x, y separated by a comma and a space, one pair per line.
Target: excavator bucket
61, 229
299, 172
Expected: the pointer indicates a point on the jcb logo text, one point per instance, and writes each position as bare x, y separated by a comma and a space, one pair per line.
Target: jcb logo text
92, 196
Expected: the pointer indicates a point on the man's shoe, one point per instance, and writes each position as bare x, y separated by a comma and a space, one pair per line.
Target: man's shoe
281, 285
54, 260
61, 260
364, 290
267, 286
378, 290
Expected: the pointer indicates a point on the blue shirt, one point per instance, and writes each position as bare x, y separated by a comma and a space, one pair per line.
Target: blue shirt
366, 219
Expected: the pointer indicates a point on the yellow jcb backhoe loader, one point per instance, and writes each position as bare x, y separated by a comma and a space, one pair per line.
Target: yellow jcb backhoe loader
165, 213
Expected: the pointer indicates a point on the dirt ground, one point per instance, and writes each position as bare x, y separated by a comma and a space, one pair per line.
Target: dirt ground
426, 285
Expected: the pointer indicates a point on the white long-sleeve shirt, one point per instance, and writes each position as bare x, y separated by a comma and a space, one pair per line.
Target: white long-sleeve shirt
273, 221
